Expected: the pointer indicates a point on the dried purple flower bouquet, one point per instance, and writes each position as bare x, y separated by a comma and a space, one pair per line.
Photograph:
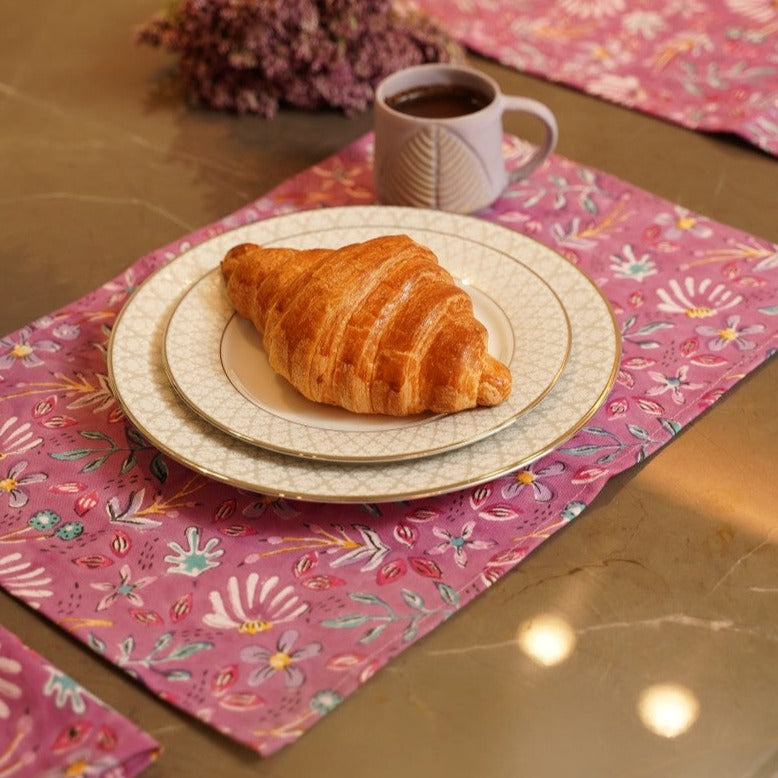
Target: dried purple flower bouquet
250, 56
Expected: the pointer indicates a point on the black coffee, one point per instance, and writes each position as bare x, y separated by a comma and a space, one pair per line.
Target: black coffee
439, 101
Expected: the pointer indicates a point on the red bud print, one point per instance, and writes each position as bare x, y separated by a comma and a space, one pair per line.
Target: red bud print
242, 701
638, 363
688, 346
305, 564
237, 530
121, 544
181, 608
343, 662
587, 474
479, 496
225, 510
93, 561
106, 739
322, 582
58, 422
85, 503
491, 574
69, 487
145, 617
625, 379
617, 407
44, 406
636, 299
224, 678
509, 556
115, 415
650, 406
405, 534
73, 735
391, 571
499, 513
421, 515
425, 567
709, 360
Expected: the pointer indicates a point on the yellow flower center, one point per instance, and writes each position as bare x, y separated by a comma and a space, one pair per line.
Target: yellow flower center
21, 350
699, 313
525, 477
252, 627
728, 334
685, 223
7, 485
279, 660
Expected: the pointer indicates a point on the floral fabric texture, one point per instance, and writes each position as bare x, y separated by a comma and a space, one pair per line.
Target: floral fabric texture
50, 725
259, 615
709, 65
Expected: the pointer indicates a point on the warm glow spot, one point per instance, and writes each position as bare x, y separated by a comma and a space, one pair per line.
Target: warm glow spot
525, 477
668, 709
7, 485
699, 313
546, 639
727, 334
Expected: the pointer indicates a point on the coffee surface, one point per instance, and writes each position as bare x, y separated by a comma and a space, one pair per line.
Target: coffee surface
439, 101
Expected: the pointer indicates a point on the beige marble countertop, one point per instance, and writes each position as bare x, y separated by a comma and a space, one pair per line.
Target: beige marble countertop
670, 576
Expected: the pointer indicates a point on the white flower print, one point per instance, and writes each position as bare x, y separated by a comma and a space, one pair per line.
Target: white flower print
630, 266
261, 609
194, 560
13, 758
16, 439
731, 332
528, 477
592, 9
284, 659
459, 543
697, 301
675, 384
644, 23
681, 222
22, 349
619, 89
8, 689
762, 11
124, 588
14, 480
21, 580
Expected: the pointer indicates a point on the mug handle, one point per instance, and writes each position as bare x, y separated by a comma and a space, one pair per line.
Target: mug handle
539, 111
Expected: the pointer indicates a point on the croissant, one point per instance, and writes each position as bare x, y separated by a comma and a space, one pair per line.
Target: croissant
373, 327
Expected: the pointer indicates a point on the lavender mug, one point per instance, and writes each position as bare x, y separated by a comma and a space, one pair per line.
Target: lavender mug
438, 138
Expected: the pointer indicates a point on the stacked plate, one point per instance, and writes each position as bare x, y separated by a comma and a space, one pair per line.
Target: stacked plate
193, 377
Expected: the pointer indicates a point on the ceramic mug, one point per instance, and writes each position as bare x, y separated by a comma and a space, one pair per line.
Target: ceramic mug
438, 138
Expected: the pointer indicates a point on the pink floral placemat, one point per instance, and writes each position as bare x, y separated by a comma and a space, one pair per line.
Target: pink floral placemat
50, 725
259, 615
709, 65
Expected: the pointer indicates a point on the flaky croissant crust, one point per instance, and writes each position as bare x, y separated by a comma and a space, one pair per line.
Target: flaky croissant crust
373, 327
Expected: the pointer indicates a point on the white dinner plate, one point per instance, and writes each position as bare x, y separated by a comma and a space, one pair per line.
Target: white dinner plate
216, 361
140, 381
